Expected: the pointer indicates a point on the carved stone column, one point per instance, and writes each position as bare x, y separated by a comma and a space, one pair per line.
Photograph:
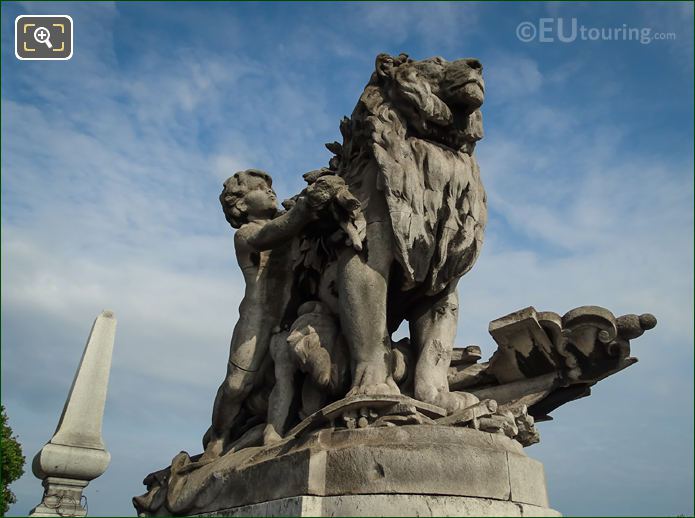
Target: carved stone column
76, 454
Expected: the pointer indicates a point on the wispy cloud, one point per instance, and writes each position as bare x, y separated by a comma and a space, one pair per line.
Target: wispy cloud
112, 164
437, 26
510, 77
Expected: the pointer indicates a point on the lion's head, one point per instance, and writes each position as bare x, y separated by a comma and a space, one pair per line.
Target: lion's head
439, 100
411, 137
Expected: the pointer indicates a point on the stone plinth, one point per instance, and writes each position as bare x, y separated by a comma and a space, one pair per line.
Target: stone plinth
62, 497
386, 505
420, 470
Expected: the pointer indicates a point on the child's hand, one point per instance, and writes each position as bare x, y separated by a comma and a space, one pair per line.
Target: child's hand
302, 204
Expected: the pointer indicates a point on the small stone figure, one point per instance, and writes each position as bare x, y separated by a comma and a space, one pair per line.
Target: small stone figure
315, 347
263, 248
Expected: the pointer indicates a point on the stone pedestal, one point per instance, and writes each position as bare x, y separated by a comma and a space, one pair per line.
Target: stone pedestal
62, 497
423, 470
386, 505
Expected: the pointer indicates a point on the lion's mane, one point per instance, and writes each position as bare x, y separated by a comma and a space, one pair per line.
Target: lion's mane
435, 198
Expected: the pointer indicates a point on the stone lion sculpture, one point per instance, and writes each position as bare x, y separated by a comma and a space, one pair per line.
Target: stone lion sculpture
407, 155
381, 236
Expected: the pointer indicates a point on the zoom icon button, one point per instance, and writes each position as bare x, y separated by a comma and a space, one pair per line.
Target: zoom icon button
43, 37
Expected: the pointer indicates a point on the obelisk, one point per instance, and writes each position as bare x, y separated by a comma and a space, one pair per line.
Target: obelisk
76, 454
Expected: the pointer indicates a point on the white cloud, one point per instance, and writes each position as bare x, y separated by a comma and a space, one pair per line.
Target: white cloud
441, 26
576, 220
510, 77
118, 209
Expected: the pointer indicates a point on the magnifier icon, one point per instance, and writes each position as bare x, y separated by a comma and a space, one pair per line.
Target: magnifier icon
43, 35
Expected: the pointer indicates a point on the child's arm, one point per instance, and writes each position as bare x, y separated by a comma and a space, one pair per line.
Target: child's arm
282, 228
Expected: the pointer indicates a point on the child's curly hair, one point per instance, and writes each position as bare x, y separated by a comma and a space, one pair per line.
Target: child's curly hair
234, 190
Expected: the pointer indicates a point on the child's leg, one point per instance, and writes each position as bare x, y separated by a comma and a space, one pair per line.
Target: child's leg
245, 359
282, 394
230, 396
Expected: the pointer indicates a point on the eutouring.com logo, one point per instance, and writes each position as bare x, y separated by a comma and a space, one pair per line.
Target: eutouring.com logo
562, 30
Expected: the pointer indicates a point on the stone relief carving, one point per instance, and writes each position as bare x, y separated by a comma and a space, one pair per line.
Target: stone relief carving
380, 236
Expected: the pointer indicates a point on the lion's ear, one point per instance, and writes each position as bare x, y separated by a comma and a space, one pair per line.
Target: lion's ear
384, 65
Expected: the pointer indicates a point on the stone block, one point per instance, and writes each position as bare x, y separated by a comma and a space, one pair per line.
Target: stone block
385, 505
432, 469
410, 460
527, 480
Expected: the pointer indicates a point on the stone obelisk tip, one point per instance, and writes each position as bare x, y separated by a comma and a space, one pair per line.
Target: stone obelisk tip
76, 453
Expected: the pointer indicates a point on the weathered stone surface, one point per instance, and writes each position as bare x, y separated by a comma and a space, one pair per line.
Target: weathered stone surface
527, 480
544, 360
471, 414
355, 405
519, 335
80, 422
62, 497
453, 469
466, 355
76, 453
410, 459
386, 505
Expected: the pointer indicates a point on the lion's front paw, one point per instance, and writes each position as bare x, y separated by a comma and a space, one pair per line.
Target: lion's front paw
270, 436
372, 379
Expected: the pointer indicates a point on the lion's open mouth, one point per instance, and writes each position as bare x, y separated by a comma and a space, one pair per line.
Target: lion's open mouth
465, 98
461, 114
470, 81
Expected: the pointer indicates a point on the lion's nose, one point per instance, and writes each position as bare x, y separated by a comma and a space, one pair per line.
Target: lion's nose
465, 67
474, 64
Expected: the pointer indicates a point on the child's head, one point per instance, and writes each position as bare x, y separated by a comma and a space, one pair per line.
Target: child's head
248, 193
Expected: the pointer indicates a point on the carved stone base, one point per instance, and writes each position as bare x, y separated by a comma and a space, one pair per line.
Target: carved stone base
410, 464
386, 505
62, 497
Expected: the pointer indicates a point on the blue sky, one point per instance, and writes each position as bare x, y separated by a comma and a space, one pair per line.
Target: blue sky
112, 163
